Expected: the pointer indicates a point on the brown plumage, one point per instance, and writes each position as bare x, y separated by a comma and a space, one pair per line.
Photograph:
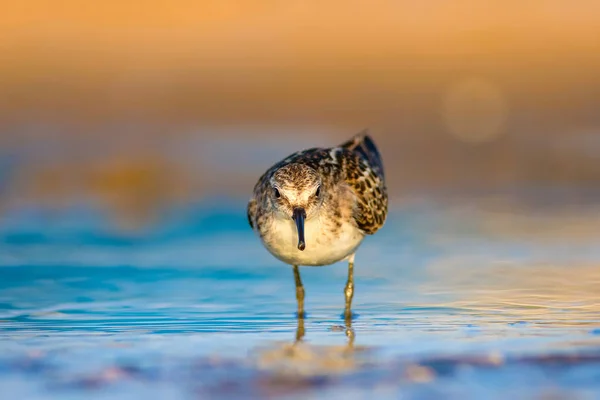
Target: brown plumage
356, 162
315, 206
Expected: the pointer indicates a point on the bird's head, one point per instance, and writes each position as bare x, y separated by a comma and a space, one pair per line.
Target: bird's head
296, 193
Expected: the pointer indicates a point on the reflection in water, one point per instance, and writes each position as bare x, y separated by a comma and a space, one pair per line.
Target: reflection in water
300, 331
302, 357
348, 330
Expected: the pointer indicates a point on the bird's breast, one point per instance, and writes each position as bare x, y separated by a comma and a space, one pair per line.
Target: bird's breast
328, 240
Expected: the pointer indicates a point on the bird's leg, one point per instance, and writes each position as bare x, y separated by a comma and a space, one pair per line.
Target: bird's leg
349, 290
299, 292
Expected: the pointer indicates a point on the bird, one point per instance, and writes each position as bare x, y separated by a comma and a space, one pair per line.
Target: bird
315, 207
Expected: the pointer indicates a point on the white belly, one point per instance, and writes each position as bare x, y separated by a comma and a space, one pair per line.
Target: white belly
322, 246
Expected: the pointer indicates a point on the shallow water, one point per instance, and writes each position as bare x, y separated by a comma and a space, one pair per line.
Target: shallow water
447, 304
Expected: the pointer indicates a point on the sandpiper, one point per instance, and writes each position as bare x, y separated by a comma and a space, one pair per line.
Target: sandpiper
315, 207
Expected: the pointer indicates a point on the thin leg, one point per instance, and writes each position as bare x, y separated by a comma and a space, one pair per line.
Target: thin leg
299, 292
349, 290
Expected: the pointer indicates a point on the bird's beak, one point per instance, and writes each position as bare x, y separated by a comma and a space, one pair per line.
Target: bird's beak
298, 216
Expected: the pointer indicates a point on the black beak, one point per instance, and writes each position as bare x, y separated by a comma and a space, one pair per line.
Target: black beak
298, 217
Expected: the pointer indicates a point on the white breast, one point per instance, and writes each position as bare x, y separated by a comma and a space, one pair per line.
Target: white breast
322, 246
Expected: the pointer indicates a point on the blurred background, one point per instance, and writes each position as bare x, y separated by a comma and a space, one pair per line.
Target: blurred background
134, 106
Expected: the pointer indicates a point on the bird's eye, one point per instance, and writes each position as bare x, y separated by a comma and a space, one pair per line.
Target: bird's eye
276, 192
318, 192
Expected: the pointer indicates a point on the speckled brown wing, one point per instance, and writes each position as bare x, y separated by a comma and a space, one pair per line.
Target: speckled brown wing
364, 174
364, 146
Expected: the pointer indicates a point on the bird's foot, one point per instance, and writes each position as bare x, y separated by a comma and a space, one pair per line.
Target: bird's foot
349, 315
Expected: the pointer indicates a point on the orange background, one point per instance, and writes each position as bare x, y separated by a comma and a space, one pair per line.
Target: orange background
463, 95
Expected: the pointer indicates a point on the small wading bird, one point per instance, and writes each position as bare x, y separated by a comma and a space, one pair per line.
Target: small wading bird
315, 207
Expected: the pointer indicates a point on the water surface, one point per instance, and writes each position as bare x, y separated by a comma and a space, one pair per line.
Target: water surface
191, 306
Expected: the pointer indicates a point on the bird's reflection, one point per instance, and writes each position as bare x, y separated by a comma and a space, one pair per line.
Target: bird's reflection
348, 330
300, 317
298, 358
300, 331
